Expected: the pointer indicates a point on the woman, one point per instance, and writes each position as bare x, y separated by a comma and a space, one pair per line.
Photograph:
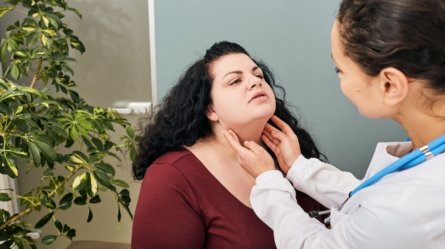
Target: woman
390, 59
194, 192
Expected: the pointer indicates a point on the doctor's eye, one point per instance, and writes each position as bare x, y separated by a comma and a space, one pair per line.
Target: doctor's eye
260, 76
337, 71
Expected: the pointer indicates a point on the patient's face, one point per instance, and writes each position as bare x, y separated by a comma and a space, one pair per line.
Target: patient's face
240, 95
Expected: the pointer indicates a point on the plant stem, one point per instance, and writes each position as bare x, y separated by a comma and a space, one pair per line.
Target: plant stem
36, 75
15, 218
25, 212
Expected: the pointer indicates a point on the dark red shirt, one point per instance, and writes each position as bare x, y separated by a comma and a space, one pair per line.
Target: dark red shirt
182, 205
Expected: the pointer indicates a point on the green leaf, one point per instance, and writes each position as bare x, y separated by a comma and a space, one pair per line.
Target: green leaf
35, 152
43, 220
133, 154
31, 91
130, 131
4, 10
9, 95
80, 200
49, 203
71, 234
97, 143
45, 40
32, 38
28, 28
75, 11
93, 184
20, 54
66, 201
4, 197
45, 20
15, 72
106, 168
120, 183
49, 239
6, 244
58, 225
124, 196
95, 199
119, 214
18, 151
12, 168
86, 125
74, 133
90, 215
79, 182
48, 152
103, 179
127, 209
77, 159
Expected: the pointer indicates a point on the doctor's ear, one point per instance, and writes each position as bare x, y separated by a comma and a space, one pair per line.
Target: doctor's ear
211, 114
394, 85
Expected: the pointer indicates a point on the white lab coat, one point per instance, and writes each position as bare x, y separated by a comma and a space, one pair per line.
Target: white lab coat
404, 210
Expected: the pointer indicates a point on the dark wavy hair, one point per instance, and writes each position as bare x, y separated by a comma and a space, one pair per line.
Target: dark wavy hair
405, 34
180, 119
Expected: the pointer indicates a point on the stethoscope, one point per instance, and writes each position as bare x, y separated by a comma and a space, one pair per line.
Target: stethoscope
412, 159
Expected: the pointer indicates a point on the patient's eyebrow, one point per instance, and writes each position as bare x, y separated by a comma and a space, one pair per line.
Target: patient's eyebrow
232, 72
255, 68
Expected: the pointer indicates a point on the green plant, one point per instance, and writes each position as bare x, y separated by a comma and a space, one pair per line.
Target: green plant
45, 125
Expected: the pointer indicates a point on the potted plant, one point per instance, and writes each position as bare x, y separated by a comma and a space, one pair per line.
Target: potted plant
46, 125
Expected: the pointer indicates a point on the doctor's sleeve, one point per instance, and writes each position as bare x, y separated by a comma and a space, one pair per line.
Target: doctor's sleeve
322, 181
368, 227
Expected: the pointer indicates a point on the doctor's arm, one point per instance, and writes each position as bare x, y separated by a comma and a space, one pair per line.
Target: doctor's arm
371, 225
323, 182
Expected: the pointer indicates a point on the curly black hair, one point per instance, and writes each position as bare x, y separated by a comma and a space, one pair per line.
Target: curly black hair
180, 119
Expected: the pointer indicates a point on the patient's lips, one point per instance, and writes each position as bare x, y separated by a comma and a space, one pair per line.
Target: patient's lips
259, 97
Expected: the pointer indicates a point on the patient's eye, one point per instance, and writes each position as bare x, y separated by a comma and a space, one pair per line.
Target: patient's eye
235, 81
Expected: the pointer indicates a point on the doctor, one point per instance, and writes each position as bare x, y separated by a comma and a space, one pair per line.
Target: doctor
390, 59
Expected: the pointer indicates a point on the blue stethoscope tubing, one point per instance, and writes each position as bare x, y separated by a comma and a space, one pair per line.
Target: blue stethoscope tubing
410, 160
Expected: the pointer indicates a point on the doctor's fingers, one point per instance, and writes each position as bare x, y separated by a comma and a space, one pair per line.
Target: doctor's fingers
285, 128
278, 136
271, 138
272, 144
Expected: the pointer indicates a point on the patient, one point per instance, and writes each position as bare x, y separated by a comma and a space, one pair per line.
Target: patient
194, 193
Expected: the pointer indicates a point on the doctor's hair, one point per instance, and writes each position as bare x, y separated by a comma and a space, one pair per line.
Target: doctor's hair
408, 35
180, 119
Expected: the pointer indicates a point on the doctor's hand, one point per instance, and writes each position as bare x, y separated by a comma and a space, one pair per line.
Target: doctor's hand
283, 142
252, 157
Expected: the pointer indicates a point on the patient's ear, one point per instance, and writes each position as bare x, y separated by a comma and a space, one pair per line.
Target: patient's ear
394, 85
211, 114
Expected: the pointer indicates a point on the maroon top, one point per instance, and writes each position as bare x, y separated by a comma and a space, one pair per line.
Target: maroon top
182, 205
